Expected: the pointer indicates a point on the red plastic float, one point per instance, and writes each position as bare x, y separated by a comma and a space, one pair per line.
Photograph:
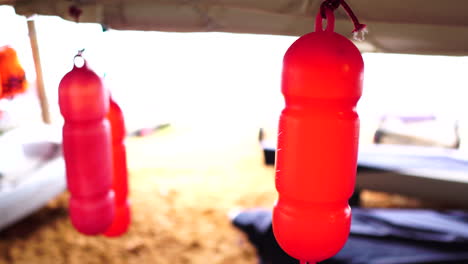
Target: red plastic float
120, 172
317, 143
84, 103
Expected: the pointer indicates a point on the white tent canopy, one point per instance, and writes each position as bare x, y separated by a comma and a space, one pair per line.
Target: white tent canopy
396, 26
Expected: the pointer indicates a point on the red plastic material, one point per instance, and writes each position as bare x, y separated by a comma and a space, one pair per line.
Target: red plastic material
317, 144
84, 103
120, 172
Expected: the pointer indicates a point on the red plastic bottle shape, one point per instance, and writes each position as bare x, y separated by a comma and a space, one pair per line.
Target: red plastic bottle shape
120, 172
317, 143
84, 103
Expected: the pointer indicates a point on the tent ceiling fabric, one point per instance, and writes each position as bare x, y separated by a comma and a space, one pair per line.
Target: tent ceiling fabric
395, 26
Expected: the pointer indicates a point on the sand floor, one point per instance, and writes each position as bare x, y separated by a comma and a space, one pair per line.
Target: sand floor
184, 182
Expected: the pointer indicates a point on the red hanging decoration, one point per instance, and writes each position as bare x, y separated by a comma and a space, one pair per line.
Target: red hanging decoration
120, 172
12, 76
84, 103
317, 143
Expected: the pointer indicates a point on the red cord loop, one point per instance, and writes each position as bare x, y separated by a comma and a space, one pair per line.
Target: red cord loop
332, 5
330, 17
329, 4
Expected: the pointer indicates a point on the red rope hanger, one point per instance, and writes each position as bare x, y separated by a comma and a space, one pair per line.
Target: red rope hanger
334, 4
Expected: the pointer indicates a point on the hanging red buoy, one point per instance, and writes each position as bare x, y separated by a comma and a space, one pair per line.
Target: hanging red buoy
120, 172
84, 103
317, 143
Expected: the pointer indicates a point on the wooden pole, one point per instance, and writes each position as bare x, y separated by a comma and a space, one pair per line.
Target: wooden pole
39, 77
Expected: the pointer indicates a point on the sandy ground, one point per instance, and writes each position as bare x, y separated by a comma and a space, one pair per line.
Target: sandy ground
184, 182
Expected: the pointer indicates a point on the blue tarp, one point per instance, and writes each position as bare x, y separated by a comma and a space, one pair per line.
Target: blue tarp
378, 236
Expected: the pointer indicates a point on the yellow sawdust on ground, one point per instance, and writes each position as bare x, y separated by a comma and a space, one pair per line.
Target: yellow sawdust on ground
183, 184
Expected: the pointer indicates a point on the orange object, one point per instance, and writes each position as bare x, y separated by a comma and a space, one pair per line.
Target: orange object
12, 76
122, 216
317, 143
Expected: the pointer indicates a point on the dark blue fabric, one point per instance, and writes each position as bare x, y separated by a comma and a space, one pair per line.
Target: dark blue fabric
378, 236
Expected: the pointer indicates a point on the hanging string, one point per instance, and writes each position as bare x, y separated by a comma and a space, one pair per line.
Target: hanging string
330, 5
330, 17
75, 12
359, 29
78, 60
79, 53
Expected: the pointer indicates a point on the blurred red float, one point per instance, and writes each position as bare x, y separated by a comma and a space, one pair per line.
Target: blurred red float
120, 172
84, 104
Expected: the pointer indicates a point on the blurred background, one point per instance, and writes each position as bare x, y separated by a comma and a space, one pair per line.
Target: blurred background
212, 93
220, 78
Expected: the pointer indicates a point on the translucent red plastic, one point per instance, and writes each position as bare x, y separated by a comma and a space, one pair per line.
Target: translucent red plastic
120, 172
317, 144
84, 103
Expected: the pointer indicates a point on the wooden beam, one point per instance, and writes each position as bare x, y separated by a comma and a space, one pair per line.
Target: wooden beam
39, 77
